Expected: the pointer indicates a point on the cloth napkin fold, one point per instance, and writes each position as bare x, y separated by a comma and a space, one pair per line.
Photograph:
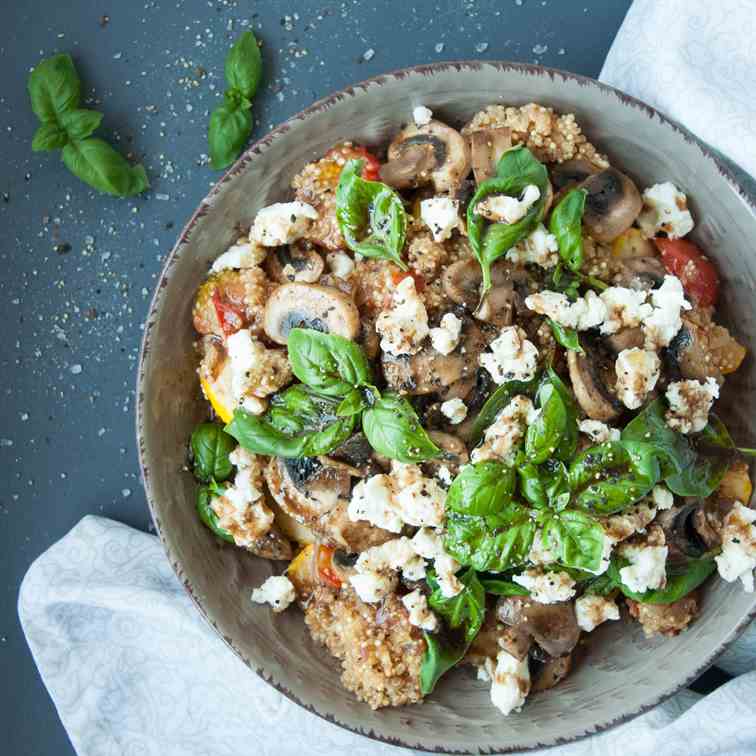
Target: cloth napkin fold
135, 671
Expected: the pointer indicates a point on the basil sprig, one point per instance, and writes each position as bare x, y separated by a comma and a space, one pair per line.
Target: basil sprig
517, 169
315, 417
462, 617
206, 514
496, 403
231, 122
555, 431
566, 224
211, 447
481, 489
370, 215
55, 93
567, 337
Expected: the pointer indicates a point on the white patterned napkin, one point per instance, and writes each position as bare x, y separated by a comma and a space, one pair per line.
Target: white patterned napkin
134, 671
695, 60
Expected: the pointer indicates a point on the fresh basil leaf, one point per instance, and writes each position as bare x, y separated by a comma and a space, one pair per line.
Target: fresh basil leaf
517, 169
352, 404
498, 587
602, 585
681, 580
567, 337
211, 446
54, 88
370, 216
441, 654
544, 436
243, 67
208, 516
464, 611
576, 539
96, 163
393, 429
495, 542
80, 123
299, 423
608, 477
545, 485
568, 444
330, 364
481, 489
532, 486
566, 223
49, 136
496, 403
228, 132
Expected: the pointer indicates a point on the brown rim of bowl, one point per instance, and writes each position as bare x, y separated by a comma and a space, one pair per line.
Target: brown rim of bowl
240, 165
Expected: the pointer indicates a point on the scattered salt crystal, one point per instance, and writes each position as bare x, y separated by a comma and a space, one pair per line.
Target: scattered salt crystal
125, 492
540, 49
439, 47
76, 369
163, 197
24, 416
6, 442
368, 54
481, 47
561, 51
117, 56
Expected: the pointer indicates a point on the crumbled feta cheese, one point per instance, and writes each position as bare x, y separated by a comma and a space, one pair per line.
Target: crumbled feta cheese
539, 247
606, 555
510, 681
586, 312
625, 308
647, 568
738, 557
373, 500
637, 373
372, 587
243, 254
665, 208
512, 356
282, 223
599, 432
441, 215
255, 370
662, 498
253, 405
421, 115
591, 611
404, 327
503, 435
340, 264
375, 569
430, 545
546, 587
662, 325
634, 519
420, 500
455, 410
501, 208
419, 613
276, 591
540, 553
689, 404
444, 475
445, 338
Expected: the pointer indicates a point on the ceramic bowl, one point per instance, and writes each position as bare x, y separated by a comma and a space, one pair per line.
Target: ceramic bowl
623, 673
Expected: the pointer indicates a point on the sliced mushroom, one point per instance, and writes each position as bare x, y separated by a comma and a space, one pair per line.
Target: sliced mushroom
552, 626
451, 157
273, 545
315, 491
486, 148
495, 636
589, 386
640, 273
570, 173
453, 454
412, 167
627, 338
295, 262
299, 305
688, 355
547, 671
430, 372
612, 204
693, 528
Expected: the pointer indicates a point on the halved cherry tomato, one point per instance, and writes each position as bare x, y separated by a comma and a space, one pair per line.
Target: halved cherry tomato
349, 151
696, 272
324, 563
229, 317
397, 276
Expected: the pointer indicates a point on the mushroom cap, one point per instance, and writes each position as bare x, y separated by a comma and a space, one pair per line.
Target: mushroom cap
641, 273
612, 204
295, 262
451, 155
570, 173
590, 390
548, 671
412, 167
315, 491
301, 305
486, 148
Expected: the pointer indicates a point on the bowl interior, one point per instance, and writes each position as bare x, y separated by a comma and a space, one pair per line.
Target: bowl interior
622, 673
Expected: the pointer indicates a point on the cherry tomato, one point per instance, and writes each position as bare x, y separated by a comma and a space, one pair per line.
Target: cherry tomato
349, 151
696, 272
397, 276
326, 572
229, 317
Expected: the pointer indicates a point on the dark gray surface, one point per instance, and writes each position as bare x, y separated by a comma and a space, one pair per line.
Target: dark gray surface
78, 268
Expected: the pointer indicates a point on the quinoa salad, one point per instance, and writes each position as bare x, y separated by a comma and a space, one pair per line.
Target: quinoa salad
461, 392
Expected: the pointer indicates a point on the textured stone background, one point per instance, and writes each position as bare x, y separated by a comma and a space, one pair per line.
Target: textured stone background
78, 268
